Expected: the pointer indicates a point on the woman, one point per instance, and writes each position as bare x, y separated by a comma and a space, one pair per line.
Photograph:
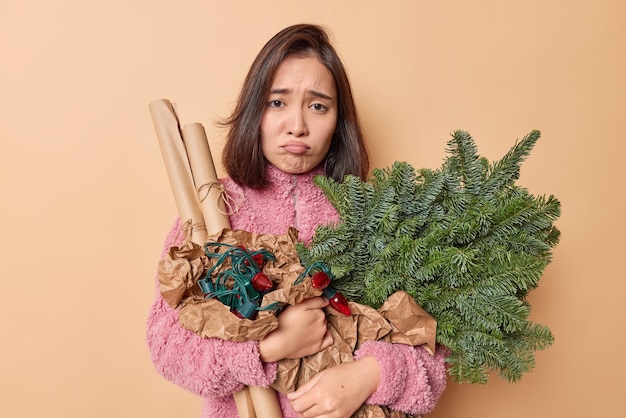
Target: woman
295, 118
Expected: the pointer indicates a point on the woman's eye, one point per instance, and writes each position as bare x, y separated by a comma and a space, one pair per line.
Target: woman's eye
318, 107
276, 103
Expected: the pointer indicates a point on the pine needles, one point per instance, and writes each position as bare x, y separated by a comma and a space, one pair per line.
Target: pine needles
463, 240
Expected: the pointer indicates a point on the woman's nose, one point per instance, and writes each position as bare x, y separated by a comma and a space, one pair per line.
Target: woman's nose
297, 124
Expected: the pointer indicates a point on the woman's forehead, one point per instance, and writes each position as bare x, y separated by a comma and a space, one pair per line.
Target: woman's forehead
303, 73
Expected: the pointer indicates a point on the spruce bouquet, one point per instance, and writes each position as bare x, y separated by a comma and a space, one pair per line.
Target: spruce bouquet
463, 240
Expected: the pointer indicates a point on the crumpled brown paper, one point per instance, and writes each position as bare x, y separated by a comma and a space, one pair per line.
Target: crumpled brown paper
398, 320
179, 272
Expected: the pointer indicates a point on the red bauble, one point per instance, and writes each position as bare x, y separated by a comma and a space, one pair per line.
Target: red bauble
337, 301
261, 282
320, 280
340, 304
259, 259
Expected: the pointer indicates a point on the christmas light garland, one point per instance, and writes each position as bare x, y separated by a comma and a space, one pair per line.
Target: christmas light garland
236, 279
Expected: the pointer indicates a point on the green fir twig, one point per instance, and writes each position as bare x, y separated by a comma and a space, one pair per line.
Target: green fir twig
463, 240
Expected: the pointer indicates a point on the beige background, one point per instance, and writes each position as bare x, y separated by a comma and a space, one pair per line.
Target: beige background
86, 202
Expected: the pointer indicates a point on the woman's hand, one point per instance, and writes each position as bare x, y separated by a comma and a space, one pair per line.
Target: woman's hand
338, 391
302, 331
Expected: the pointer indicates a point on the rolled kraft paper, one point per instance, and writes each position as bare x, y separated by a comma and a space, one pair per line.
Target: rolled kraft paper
254, 401
177, 166
207, 185
265, 402
243, 401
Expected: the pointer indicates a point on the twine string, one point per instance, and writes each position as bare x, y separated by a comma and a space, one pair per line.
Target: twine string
189, 227
231, 205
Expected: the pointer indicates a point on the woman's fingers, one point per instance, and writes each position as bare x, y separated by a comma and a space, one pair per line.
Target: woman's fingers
314, 303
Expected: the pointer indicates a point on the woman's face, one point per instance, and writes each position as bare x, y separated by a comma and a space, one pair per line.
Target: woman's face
300, 115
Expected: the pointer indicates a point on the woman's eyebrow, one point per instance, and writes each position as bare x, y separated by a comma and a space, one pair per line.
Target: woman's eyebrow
279, 91
315, 93
320, 95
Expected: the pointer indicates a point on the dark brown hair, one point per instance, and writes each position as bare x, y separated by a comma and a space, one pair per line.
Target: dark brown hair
243, 157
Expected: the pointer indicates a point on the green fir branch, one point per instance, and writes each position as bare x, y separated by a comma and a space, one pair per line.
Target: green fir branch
463, 240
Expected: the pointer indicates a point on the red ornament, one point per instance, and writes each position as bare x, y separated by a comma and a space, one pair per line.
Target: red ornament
337, 301
261, 282
320, 280
259, 259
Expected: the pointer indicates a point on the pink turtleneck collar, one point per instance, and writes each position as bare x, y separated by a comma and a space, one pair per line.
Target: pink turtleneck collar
289, 200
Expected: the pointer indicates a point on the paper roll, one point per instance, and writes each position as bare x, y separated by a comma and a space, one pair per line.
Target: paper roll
177, 166
265, 402
207, 185
243, 401
254, 401
191, 171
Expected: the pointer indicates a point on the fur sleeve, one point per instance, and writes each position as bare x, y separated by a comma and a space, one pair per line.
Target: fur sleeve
411, 380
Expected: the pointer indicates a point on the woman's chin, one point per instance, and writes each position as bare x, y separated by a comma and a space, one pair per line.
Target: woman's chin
295, 167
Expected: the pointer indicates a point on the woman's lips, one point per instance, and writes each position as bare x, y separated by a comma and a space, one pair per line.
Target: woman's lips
295, 147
